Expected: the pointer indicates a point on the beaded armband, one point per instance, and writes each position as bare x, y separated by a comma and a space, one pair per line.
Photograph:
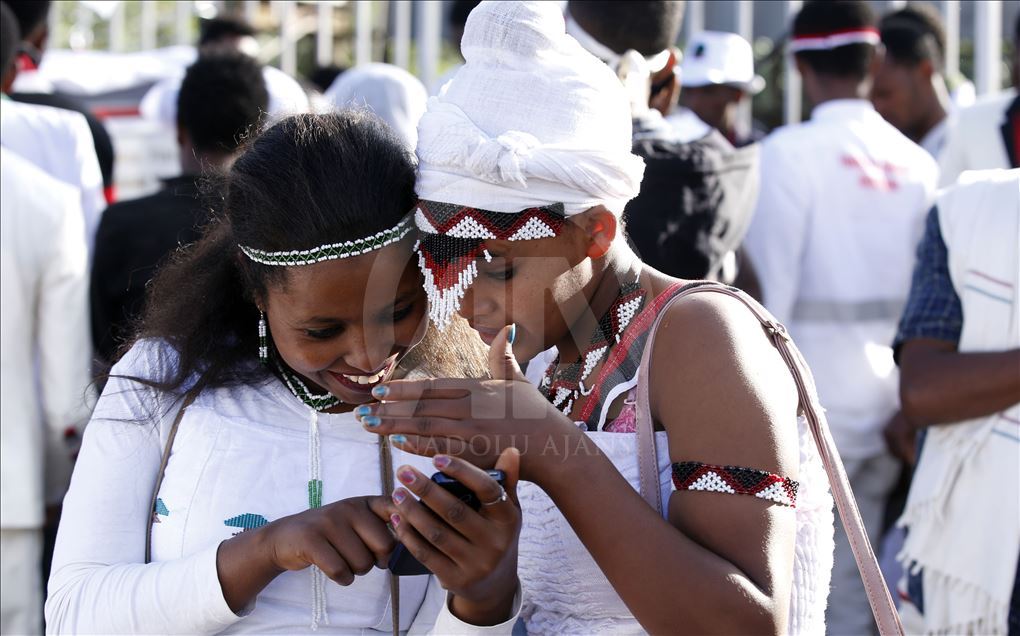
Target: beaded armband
333, 251
735, 481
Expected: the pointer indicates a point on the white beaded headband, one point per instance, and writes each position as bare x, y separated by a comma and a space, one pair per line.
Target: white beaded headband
333, 251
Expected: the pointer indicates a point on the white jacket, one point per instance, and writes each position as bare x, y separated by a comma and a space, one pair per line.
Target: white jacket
975, 139
44, 349
841, 209
58, 141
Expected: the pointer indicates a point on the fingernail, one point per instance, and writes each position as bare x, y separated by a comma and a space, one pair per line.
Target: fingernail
398, 439
380, 392
441, 461
406, 475
399, 496
362, 411
371, 421
510, 337
395, 520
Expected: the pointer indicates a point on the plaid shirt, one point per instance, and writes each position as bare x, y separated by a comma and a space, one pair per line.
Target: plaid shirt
933, 309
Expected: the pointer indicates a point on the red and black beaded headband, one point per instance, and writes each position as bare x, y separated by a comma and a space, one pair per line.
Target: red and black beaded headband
453, 239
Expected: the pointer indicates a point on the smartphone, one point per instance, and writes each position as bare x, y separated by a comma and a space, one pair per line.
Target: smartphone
402, 562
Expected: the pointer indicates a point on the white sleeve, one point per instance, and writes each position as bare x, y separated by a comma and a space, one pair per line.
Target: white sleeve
63, 337
99, 581
435, 618
776, 237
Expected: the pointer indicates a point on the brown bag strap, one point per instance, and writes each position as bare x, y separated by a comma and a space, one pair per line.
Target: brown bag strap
881, 602
188, 399
386, 476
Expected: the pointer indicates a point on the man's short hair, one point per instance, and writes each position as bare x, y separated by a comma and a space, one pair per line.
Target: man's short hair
221, 97
30, 14
646, 26
220, 27
10, 37
822, 17
914, 34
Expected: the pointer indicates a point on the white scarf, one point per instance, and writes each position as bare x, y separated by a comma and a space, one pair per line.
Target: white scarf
531, 119
963, 511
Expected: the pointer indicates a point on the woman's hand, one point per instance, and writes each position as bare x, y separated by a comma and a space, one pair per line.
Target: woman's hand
472, 553
475, 419
343, 539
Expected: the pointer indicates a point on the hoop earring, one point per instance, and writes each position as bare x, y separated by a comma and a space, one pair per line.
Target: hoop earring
263, 340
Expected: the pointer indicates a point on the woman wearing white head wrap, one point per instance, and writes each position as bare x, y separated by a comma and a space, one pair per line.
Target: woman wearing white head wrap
525, 165
393, 94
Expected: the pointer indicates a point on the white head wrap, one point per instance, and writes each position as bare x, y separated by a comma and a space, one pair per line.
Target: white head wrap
389, 91
531, 119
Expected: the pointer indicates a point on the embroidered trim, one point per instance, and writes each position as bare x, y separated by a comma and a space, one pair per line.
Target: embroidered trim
453, 238
333, 251
564, 385
735, 480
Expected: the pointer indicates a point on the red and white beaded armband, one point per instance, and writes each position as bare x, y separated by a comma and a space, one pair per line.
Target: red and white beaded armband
735, 480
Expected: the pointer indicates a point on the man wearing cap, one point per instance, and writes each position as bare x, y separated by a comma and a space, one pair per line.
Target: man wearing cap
842, 206
717, 75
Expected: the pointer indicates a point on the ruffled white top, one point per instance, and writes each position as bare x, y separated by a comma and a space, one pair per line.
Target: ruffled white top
569, 594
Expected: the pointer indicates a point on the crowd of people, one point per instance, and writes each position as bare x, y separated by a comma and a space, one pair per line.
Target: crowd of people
571, 280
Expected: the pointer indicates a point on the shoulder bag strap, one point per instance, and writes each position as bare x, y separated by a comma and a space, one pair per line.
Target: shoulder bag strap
874, 584
188, 399
386, 476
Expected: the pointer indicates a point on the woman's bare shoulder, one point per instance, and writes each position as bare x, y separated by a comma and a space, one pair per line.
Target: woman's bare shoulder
720, 388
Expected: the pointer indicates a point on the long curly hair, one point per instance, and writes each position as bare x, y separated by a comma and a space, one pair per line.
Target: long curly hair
308, 179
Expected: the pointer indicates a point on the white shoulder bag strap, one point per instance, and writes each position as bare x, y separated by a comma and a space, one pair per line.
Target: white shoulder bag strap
878, 595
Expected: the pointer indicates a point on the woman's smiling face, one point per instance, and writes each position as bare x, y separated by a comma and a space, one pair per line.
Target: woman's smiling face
343, 324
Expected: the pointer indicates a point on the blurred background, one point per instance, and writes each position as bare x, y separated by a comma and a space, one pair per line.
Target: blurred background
109, 53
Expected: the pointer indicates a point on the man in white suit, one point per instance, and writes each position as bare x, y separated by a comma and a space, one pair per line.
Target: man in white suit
44, 366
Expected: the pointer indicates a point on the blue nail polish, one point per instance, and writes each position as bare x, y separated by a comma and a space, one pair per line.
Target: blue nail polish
399, 496
380, 392
362, 411
510, 337
398, 439
371, 421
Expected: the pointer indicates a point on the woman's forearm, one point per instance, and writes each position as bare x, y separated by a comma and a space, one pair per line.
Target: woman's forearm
667, 580
245, 567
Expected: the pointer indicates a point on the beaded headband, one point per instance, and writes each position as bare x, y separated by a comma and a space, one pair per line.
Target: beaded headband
453, 238
333, 251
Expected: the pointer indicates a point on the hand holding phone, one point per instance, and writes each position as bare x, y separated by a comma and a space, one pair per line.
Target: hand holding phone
402, 562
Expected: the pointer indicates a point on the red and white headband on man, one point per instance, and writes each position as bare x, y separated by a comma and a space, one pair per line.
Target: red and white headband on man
836, 39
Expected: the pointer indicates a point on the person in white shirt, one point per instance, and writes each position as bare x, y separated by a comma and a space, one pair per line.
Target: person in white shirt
986, 136
44, 344
841, 209
910, 91
229, 426
56, 140
220, 34
717, 75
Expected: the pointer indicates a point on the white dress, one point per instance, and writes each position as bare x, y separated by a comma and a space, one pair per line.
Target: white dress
240, 460
569, 594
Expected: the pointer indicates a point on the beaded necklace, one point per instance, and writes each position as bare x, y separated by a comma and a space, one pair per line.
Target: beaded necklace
564, 386
316, 402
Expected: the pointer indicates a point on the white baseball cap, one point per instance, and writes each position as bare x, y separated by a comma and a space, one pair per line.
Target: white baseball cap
717, 57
